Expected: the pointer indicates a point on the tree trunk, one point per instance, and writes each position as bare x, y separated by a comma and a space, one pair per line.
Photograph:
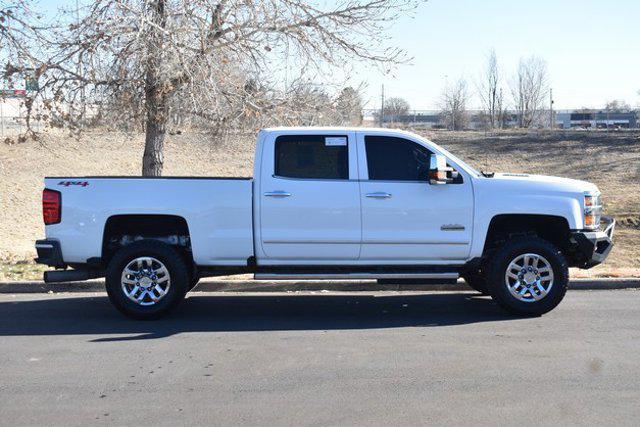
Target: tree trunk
156, 126
155, 95
153, 158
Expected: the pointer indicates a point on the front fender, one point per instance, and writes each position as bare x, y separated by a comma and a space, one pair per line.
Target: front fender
569, 208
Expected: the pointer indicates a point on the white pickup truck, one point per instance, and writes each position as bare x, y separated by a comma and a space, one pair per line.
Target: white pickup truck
327, 203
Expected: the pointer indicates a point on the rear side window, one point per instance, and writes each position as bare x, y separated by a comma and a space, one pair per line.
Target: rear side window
396, 159
312, 157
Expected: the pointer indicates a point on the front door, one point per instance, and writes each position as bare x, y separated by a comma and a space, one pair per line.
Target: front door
404, 219
310, 199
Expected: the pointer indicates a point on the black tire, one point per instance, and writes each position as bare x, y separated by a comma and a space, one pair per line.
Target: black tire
174, 263
497, 266
193, 282
477, 282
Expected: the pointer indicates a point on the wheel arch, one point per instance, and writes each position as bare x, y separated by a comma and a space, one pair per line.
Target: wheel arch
553, 228
124, 229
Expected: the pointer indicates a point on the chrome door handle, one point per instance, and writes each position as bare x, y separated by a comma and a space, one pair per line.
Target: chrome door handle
277, 194
378, 195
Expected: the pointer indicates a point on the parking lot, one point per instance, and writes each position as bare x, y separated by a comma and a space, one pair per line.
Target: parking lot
322, 358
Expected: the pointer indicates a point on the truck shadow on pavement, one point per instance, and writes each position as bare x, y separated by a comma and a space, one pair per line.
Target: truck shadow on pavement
94, 315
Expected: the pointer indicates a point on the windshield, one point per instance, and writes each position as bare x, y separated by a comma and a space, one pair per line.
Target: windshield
458, 160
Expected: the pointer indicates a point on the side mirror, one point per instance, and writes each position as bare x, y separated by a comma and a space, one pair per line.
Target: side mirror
438, 169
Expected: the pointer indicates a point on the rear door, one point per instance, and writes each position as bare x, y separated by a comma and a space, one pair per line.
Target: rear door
406, 220
309, 198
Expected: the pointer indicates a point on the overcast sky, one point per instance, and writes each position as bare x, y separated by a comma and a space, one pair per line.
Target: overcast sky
591, 47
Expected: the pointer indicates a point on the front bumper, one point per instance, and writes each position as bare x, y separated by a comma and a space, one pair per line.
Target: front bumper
49, 253
593, 247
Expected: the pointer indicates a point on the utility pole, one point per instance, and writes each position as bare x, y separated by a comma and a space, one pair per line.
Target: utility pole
551, 121
382, 107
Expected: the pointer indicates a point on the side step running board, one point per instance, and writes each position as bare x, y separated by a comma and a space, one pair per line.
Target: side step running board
61, 276
354, 276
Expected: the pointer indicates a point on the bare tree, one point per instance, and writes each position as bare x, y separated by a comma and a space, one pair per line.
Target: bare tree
394, 108
309, 104
530, 87
349, 106
150, 56
18, 29
617, 106
21, 35
489, 87
453, 103
306, 104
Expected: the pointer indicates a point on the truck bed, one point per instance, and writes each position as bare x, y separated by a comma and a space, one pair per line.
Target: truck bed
218, 212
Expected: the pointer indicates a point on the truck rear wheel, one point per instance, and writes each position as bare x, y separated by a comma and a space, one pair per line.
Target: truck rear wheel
146, 279
527, 276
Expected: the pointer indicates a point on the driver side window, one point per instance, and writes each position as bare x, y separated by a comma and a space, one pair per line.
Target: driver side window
396, 159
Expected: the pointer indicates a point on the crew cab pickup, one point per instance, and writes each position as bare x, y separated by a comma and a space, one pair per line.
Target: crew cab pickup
327, 203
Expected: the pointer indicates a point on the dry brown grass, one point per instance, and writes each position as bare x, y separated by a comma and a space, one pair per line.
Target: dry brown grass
612, 161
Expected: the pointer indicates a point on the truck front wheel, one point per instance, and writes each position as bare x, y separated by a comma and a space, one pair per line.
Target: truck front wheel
527, 276
146, 279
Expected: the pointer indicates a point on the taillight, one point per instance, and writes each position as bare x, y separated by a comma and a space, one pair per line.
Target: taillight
51, 206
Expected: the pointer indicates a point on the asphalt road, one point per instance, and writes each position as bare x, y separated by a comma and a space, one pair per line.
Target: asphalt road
382, 358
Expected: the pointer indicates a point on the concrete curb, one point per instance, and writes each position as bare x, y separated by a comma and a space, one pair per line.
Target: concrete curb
292, 285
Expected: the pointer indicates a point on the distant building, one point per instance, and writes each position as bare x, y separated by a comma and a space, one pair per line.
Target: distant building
427, 119
594, 119
476, 119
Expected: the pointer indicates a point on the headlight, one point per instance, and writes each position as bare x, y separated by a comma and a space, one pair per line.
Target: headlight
592, 210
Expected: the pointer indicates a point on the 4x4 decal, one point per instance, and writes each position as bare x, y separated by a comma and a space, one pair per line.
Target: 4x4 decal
68, 183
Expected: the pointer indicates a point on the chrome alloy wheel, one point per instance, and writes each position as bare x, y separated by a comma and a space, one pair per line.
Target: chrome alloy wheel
145, 281
529, 277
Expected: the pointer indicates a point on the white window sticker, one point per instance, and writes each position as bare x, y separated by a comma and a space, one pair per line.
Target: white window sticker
333, 141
